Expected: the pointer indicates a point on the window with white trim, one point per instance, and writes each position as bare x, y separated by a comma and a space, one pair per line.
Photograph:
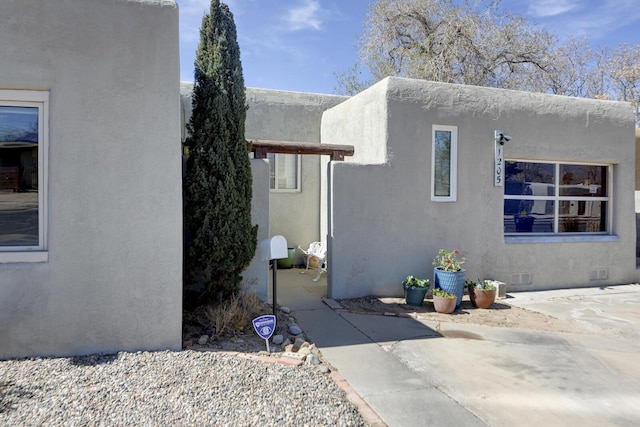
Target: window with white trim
23, 172
555, 197
284, 172
444, 163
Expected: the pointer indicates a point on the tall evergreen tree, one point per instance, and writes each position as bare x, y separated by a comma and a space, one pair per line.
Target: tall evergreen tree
218, 175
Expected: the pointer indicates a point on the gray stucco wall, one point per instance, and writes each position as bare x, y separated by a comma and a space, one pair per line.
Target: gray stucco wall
383, 225
292, 116
285, 116
113, 280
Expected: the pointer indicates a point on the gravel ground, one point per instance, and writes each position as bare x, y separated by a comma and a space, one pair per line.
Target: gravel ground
186, 388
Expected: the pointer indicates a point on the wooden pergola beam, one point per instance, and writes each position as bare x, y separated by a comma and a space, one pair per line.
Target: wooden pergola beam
260, 148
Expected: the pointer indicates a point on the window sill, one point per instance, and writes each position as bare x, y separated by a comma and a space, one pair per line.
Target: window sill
26, 257
562, 239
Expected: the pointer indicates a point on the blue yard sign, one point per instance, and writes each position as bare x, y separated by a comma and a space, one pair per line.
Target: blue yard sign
264, 326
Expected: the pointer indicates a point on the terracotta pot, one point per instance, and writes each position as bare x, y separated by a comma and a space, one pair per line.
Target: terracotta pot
450, 281
482, 298
444, 305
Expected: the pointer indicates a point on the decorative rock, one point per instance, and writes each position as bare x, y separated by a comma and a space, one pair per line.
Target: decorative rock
304, 351
288, 348
312, 359
299, 342
122, 389
286, 342
324, 369
203, 339
285, 310
277, 339
294, 329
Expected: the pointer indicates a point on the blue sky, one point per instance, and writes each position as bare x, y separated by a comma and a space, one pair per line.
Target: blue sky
298, 45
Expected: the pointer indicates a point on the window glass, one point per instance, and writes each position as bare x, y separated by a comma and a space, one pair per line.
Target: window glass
582, 216
284, 171
534, 204
444, 163
583, 180
528, 216
527, 178
19, 201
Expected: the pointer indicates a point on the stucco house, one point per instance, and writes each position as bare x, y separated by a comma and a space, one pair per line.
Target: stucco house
91, 120
424, 176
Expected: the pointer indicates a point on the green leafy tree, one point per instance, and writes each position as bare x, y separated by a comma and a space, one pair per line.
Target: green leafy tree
218, 173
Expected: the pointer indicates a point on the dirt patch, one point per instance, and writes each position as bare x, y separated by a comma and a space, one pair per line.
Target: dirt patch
501, 314
244, 339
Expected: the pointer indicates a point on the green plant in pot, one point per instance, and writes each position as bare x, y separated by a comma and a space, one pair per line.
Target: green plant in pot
482, 293
443, 301
448, 273
415, 290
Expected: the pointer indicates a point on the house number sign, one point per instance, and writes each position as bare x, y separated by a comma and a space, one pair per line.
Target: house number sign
499, 163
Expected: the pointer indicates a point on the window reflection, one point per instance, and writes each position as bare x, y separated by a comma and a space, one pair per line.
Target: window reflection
533, 203
583, 180
18, 176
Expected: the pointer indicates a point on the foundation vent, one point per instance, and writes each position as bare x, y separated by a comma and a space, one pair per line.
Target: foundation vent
521, 279
599, 274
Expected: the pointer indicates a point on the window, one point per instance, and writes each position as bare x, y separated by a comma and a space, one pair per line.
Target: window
284, 172
444, 163
23, 173
559, 198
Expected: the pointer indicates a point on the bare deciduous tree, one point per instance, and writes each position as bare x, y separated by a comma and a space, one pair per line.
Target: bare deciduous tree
434, 39
623, 68
475, 44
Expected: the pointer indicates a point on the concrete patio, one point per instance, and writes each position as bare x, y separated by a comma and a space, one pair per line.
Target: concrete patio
426, 373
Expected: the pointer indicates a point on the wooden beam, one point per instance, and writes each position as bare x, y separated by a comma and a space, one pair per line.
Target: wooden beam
260, 148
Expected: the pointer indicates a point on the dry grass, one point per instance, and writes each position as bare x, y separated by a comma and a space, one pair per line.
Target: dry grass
235, 314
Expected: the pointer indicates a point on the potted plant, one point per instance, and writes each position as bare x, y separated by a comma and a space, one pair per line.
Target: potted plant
443, 301
448, 273
415, 289
481, 293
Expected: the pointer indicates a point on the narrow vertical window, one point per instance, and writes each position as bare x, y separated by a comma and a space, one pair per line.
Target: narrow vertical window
444, 163
23, 140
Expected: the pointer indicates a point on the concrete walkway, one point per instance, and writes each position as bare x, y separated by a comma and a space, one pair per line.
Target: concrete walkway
411, 375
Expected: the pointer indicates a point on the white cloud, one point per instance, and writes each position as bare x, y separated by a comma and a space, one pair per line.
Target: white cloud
546, 8
598, 19
308, 15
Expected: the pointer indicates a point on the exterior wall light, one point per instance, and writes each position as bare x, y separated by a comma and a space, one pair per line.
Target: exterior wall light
501, 138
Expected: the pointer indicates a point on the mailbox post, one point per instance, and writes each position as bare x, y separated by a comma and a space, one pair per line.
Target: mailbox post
273, 249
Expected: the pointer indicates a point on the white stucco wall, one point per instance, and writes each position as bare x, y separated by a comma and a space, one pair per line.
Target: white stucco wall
383, 225
113, 280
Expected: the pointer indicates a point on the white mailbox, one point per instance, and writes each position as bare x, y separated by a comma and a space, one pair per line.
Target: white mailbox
270, 250
273, 248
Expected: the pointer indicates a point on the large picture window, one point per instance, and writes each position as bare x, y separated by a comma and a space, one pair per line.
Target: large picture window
284, 172
23, 179
444, 163
553, 197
